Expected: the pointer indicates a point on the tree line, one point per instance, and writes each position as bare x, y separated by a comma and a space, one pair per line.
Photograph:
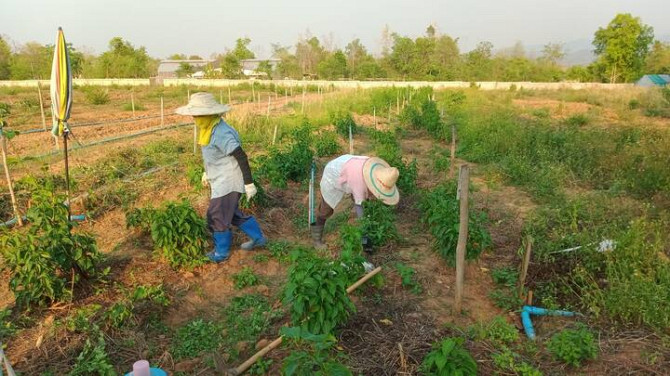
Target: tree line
625, 49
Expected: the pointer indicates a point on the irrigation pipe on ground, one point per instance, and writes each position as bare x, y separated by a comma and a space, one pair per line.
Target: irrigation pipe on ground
92, 123
249, 362
111, 139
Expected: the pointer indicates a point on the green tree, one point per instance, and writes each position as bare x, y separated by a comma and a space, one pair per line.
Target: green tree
231, 66
334, 66
124, 60
5, 59
622, 47
288, 63
478, 64
402, 56
177, 57
194, 57
309, 53
241, 50
658, 61
553, 53
184, 70
32, 61
265, 67
356, 54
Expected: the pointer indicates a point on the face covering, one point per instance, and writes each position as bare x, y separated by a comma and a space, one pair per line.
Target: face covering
205, 126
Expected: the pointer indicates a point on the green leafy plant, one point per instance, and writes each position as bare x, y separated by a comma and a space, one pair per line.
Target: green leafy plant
83, 319
196, 337
260, 200
93, 359
47, 257
245, 277
497, 330
441, 214
343, 122
506, 299
316, 293
280, 250
129, 107
351, 255
245, 318
290, 164
313, 355
407, 276
448, 358
261, 257
123, 311
573, 346
505, 276
388, 149
509, 361
7, 327
326, 144
378, 223
178, 232
96, 95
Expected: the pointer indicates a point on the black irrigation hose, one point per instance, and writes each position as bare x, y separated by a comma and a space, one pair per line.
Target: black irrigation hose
74, 125
110, 139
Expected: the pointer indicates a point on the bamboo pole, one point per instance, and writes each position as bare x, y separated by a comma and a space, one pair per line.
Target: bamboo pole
15, 207
39, 94
274, 344
524, 265
453, 151
463, 190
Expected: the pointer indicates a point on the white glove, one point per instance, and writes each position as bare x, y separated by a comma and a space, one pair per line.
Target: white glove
203, 180
250, 190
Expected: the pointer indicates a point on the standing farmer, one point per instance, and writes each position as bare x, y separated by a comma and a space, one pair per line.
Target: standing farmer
362, 177
227, 172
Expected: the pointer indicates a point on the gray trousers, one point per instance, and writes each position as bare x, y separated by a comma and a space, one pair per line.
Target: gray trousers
224, 211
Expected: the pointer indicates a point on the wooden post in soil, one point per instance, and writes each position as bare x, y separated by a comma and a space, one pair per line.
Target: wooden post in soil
188, 95
302, 107
250, 362
453, 151
15, 207
374, 116
132, 102
253, 92
162, 112
524, 265
39, 94
463, 190
389, 122
230, 100
274, 135
267, 116
397, 103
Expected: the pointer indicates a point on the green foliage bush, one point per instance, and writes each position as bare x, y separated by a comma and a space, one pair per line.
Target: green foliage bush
388, 149
313, 355
96, 95
509, 361
44, 259
407, 277
343, 121
316, 293
449, 358
378, 223
573, 346
245, 318
498, 331
93, 359
292, 164
178, 232
326, 144
196, 337
441, 214
245, 277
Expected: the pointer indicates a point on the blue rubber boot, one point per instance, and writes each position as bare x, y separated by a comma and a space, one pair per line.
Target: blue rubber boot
253, 230
222, 241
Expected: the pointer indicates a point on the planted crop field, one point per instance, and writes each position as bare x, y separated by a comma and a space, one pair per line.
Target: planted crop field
569, 200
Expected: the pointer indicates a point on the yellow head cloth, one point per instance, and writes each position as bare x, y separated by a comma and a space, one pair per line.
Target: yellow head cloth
205, 126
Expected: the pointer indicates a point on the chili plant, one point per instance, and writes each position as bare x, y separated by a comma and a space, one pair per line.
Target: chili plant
317, 293
441, 214
178, 232
313, 356
378, 223
449, 357
47, 257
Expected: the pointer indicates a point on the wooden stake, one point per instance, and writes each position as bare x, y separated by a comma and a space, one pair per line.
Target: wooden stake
19, 220
374, 115
188, 95
162, 112
132, 102
389, 114
351, 141
453, 151
220, 96
302, 107
524, 265
39, 94
253, 93
274, 135
229, 97
463, 190
249, 362
397, 103
269, 103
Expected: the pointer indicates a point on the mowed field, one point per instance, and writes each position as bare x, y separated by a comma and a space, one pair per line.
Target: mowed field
557, 169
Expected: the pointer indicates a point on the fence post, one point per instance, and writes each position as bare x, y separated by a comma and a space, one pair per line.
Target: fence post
39, 93
453, 151
269, 103
463, 190
524, 265
302, 107
162, 112
229, 97
132, 102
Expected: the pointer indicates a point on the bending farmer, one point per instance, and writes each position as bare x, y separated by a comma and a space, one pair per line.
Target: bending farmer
227, 172
363, 178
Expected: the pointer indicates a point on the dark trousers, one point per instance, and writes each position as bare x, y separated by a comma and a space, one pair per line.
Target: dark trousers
324, 212
224, 212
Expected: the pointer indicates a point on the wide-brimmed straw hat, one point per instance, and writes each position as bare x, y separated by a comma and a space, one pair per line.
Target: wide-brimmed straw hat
202, 104
380, 179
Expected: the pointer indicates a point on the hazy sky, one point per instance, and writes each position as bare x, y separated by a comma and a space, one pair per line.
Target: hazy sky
206, 26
